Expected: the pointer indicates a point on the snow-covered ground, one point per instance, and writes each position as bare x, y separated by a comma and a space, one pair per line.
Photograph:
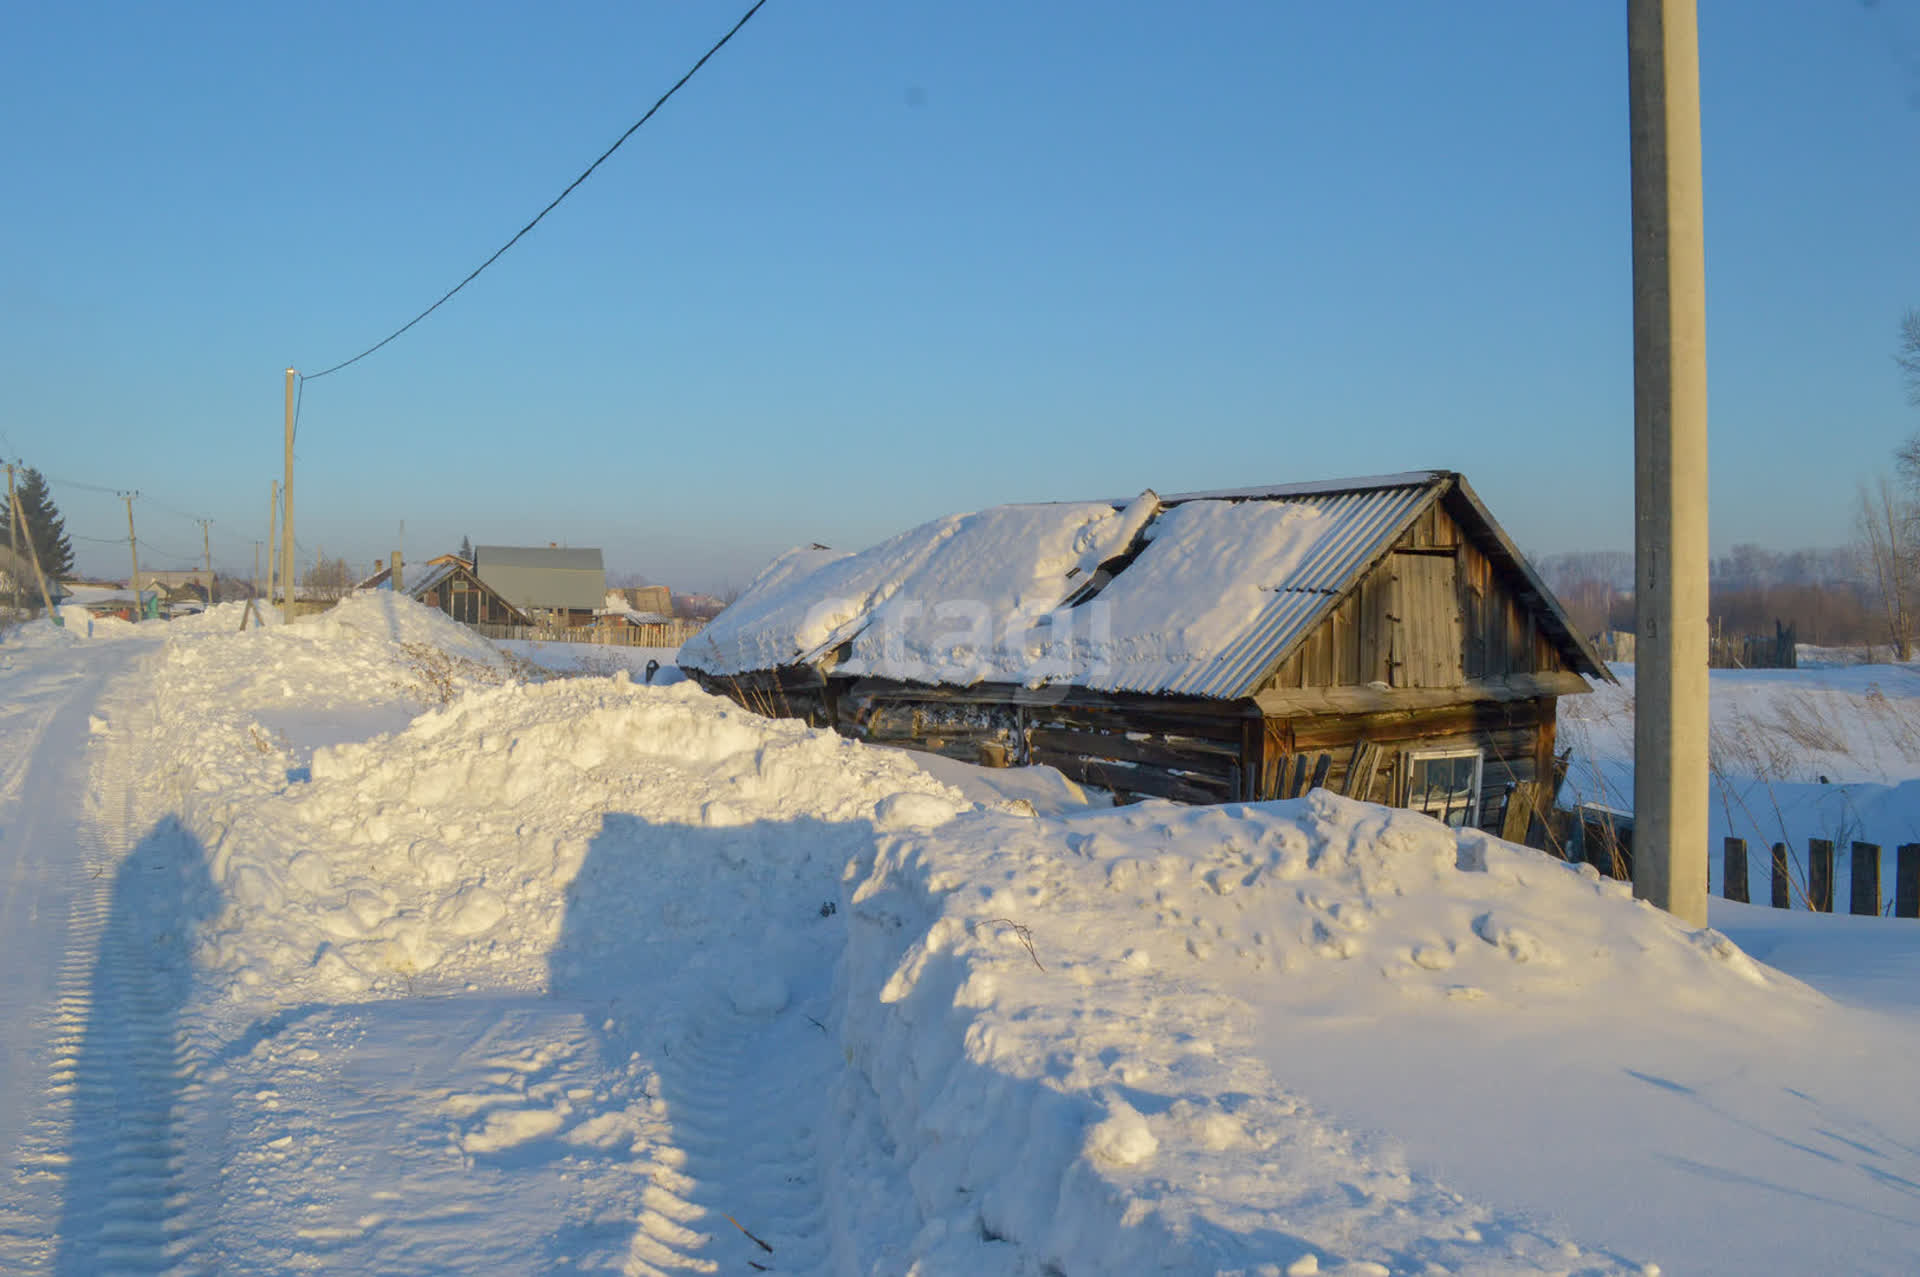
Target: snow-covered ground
596, 659
1831, 751
345, 945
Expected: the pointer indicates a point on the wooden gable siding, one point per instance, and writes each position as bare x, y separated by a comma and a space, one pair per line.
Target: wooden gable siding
1433, 613
462, 596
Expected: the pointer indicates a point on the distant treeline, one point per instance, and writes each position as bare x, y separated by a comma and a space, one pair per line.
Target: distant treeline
1822, 593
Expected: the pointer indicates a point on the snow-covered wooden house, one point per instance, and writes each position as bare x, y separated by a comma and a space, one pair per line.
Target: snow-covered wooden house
449, 583
1380, 637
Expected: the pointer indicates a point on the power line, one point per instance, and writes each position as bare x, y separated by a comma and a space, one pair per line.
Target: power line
556, 199
164, 508
87, 487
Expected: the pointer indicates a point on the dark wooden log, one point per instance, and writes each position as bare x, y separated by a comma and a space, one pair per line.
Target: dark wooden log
1148, 781
1299, 785
1733, 870
1906, 882
1782, 882
1820, 874
1321, 767
1864, 866
1155, 751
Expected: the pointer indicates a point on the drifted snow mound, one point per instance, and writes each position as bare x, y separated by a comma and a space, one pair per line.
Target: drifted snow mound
544, 831
1068, 1031
222, 618
383, 616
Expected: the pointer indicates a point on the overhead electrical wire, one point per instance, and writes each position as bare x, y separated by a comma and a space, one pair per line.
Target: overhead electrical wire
518, 235
85, 487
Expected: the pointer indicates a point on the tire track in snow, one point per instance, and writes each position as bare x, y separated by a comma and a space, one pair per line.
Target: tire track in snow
118, 1077
744, 1097
51, 920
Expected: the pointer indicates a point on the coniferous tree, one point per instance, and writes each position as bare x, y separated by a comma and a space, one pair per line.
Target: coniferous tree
466, 549
42, 523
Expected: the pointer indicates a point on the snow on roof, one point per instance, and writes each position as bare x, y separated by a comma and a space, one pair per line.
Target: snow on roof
414, 577
1204, 596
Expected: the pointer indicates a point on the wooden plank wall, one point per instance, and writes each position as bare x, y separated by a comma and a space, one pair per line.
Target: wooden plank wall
1373, 634
1516, 740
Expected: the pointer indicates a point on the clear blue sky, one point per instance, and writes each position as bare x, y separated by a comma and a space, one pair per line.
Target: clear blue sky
884, 260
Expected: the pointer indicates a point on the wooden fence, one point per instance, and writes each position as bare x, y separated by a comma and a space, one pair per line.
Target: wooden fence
1863, 877
1776, 651
1604, 839
665, 634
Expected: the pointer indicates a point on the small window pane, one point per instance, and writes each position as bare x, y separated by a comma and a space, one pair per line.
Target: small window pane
1446, 787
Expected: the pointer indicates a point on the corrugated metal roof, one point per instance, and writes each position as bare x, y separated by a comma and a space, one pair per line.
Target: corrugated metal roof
1360, 526
1290, 572
1315, 488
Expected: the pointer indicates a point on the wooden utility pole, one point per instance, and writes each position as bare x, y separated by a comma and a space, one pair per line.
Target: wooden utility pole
273, 539
133, 551
206, 553
13, 544
1670, 459
256, 569
286, 508
33, 553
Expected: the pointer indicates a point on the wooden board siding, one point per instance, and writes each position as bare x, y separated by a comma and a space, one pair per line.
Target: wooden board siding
461, 596
1516, 739
1434, 612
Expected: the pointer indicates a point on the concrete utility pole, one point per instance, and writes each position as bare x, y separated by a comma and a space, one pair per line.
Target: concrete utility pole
133, 552
286, 508
206, 553
273, 539
1670, 459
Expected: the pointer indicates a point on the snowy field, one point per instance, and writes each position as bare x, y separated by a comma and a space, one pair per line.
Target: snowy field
1829, 751
354, 945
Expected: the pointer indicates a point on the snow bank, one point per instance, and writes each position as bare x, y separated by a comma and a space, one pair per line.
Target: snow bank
1057, 1025
1066, 1044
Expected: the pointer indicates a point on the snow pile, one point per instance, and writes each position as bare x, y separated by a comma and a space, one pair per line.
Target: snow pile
41, 633
456, 849
224, 618
1089, 993
1109, 1041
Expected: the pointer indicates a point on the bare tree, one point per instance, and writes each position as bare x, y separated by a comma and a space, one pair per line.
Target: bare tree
327, 578
1886, 523
1908, 358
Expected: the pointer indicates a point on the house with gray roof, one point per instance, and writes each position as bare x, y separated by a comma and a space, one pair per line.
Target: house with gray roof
553, 584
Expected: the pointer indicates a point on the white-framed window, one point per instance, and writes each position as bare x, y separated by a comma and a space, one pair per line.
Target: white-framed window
1445, 784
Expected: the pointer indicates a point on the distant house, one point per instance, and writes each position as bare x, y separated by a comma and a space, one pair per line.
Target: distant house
620, 621
554, 586
448, 583
1378, 637
175, 580
654, 599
